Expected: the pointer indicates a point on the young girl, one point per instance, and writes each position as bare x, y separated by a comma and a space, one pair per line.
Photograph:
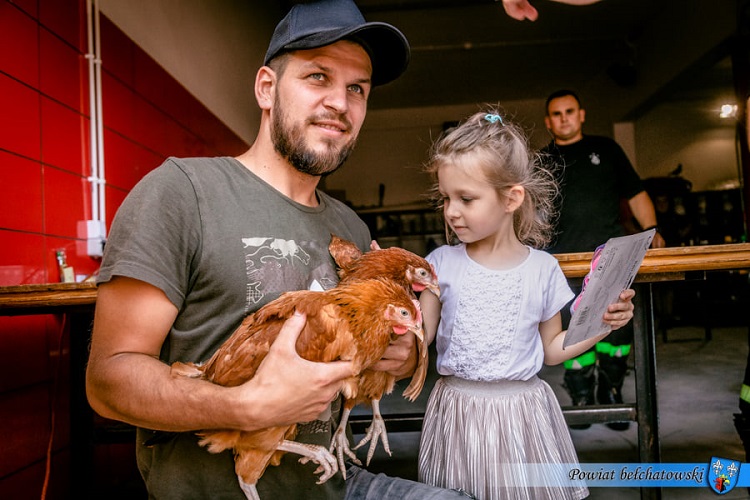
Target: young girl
497, 320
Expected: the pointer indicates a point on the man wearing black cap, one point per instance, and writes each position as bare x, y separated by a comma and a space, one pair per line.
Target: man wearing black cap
201, 242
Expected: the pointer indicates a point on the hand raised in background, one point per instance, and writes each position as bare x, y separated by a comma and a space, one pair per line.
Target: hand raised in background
522, 9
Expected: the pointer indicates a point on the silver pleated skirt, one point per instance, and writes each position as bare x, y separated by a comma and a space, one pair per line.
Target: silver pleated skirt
498, 440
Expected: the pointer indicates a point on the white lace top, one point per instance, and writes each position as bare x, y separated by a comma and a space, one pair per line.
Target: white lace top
489, 324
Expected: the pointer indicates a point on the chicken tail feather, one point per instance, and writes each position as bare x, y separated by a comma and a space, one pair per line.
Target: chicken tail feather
218, 441
420, 374
189, 370
415, 387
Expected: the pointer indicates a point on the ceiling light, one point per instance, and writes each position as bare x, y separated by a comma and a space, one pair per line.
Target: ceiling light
728, 111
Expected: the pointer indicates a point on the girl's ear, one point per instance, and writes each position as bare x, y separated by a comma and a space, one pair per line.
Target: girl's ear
265, 86
514, 198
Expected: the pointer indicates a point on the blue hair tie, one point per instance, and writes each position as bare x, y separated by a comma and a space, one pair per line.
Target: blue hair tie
492, 118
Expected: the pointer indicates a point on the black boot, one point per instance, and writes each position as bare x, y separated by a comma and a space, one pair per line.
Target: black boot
580, 385
612, 371
742, 424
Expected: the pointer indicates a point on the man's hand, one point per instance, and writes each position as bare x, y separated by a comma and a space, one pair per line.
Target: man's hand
291, 388
658, 241
400, 358
621, 312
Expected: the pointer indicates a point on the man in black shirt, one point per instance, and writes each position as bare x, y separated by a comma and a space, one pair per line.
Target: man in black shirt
594, 175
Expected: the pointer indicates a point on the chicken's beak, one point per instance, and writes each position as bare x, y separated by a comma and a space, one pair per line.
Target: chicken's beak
418, 331
433, 286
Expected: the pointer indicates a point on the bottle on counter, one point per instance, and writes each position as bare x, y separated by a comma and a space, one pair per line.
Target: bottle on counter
66, 272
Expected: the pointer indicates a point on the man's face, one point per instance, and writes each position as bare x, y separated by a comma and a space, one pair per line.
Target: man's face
565, 120
320, 105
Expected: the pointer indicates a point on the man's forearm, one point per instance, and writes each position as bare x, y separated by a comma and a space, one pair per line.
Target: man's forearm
139, 390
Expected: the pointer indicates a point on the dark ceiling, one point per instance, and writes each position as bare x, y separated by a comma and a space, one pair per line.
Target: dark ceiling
470, 51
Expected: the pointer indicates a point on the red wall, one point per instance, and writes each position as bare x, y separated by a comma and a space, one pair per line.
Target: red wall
44, 148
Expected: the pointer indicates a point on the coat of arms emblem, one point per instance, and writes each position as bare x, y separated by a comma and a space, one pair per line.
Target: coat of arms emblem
723, 474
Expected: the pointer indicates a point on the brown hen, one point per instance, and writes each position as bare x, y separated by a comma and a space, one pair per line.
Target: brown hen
414, 274
354, 322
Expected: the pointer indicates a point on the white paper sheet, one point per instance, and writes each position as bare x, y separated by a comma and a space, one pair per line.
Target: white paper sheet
615, 271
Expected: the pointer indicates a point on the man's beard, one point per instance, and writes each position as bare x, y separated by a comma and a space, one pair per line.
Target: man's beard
289, 142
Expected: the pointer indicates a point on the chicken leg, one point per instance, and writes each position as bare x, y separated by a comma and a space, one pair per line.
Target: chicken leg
374, 432
340, 442
318, 454
249, 489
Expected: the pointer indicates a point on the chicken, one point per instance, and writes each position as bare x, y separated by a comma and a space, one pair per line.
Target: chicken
354, 321
402, 266
415, 274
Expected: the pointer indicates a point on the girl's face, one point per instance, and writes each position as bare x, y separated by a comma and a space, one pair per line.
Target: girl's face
471, 206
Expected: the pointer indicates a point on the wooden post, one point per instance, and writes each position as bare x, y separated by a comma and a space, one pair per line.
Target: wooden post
741, 76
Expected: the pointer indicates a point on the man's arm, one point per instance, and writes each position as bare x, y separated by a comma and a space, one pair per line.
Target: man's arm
125, 380
643, 211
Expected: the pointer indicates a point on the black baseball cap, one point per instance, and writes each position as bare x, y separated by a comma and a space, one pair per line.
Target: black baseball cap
315, 24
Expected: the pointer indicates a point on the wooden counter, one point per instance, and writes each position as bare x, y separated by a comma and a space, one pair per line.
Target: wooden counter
46, 298
659, 264
76, 301
668, 263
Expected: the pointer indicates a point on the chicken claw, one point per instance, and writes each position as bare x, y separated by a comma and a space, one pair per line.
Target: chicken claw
340, 443
316, 453
375, 431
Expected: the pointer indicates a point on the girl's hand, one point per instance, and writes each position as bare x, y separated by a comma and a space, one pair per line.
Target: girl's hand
621, 312
400, 358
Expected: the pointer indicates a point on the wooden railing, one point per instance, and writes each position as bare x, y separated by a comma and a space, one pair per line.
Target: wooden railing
670, 261
659, 264
46, 298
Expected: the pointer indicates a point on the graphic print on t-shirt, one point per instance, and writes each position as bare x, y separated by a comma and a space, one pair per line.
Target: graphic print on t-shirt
275, 265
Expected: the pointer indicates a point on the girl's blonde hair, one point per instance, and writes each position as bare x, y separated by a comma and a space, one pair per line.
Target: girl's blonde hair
500, 150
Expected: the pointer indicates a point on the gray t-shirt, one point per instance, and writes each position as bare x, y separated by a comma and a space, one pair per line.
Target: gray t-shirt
221, 243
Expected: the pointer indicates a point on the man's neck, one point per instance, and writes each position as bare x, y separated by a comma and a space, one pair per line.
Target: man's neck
568, 142
280, 175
